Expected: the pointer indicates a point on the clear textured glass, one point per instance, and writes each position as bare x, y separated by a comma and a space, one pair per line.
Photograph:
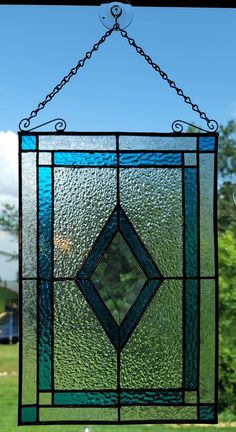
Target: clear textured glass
118, 278
45, 158
29, 215
190, 159
207, 341
206, 214
29, 305
45, 398
152, 357
152, 199
78, 414
83, 200
191, 228
157, 143
159, 413
77, 142
190, 397
84, 358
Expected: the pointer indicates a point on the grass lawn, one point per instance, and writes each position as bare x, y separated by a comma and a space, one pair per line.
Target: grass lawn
8, 398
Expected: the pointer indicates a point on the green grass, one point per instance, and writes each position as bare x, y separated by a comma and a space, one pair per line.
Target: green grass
8, 398
6, 294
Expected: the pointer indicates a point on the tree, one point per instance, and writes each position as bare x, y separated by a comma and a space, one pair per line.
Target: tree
227, 177
9, 224
9, 219
227, 282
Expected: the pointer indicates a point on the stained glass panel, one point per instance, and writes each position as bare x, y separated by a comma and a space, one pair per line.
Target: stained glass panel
118, 278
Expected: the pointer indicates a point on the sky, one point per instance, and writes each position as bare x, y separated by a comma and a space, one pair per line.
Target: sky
116, 90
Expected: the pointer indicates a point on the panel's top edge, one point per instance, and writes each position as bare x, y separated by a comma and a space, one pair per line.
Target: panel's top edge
115, 133
138, 3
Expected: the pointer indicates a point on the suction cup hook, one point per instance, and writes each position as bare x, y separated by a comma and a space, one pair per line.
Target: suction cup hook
120, 12
116, 11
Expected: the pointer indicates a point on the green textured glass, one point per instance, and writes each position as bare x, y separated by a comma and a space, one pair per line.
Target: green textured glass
29, 380
156, 344
83, 356
207, 345
118, 278
152, 199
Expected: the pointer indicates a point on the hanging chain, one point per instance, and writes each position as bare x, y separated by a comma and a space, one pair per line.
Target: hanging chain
176, 126
212, 124
25, 123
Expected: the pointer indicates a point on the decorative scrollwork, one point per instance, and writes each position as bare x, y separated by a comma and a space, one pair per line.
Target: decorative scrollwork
60, 125
213, 125
177, 126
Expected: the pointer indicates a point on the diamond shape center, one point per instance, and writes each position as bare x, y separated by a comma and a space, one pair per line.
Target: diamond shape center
118, 278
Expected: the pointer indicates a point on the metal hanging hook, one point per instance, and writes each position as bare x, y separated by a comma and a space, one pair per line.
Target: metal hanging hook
116, 11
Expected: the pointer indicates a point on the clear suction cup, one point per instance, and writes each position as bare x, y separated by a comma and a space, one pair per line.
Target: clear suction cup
111, 12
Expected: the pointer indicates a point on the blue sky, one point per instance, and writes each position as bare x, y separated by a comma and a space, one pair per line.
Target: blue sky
117, 89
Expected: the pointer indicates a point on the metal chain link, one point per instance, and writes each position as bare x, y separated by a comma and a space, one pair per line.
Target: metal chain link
212, 124
25, 123
176, 126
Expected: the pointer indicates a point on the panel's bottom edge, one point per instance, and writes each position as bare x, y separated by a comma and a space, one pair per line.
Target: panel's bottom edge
87, 423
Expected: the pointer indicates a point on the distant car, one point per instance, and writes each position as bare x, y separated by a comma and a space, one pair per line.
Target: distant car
9, 328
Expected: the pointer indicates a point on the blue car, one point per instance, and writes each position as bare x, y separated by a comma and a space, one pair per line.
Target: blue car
9, 327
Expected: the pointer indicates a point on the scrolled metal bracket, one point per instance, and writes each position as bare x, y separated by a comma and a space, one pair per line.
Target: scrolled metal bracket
177, 126
60, 125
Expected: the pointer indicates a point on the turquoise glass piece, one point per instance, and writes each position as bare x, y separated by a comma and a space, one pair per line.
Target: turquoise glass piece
191, 334
207, 413
45, 222
207, 143
29, 142
28, 414
86, 398
147, 159
45, 336
147, 397
85, 159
